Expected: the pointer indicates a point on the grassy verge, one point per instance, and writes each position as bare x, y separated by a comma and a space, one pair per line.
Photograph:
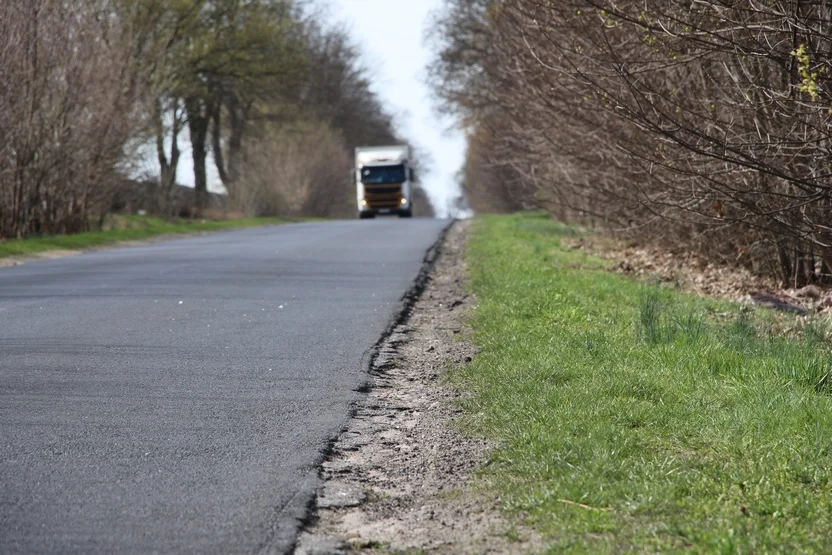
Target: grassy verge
634, 417
125, 228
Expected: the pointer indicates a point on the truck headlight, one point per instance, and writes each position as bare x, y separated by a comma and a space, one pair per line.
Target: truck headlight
404, 201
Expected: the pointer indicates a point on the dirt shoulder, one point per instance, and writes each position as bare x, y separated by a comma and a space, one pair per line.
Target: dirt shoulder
10, 261
127, 231
400, 477
17, 260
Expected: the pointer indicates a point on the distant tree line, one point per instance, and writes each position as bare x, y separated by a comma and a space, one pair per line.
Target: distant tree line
703, 126
277, 97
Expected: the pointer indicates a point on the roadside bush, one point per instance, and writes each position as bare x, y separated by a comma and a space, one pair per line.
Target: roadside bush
703, 128
66, 101
297, 170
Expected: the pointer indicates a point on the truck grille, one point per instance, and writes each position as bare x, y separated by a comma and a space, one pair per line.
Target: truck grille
383, 196
382, 189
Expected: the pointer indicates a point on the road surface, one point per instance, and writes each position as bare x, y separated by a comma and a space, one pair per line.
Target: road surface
176, 397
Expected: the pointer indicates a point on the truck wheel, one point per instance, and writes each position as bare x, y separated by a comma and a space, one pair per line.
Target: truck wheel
405, 214
366, 215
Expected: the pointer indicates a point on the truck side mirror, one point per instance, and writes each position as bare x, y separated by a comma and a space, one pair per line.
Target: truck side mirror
412, 175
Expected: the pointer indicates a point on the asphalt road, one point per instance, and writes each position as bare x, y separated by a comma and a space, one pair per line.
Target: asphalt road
176, 397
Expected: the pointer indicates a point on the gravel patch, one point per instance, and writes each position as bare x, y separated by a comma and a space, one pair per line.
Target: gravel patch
402, 468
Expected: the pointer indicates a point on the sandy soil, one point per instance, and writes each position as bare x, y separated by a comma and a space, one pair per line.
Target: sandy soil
399, 479
9, 261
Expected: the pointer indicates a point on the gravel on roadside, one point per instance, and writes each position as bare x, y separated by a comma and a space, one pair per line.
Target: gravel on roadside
400, 477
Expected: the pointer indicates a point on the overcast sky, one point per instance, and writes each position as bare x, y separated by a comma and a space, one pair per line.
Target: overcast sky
391, 32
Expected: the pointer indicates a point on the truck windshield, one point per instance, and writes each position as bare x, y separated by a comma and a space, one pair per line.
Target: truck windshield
379, 175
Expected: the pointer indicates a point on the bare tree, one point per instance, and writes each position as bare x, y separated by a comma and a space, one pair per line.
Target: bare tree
329, 102
705, 123
66, 105
79, 81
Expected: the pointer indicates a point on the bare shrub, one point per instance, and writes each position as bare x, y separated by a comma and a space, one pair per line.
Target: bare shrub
702, 126
65, 111
296, 170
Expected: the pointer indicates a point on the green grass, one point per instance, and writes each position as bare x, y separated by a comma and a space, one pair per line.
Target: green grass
633, 417
125, 228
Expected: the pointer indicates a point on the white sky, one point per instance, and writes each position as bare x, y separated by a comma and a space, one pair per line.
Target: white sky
391, 34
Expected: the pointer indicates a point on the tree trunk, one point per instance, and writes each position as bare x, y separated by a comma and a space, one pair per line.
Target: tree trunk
167, 165
785, 263
199, 117
237, 122
229, 169
216, 146
799, 268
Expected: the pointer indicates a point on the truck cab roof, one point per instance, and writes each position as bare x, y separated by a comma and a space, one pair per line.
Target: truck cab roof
381, 155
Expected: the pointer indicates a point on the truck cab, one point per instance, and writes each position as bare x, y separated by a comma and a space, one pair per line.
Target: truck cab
384, 181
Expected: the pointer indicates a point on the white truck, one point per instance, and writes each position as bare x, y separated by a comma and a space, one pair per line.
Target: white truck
383, 181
